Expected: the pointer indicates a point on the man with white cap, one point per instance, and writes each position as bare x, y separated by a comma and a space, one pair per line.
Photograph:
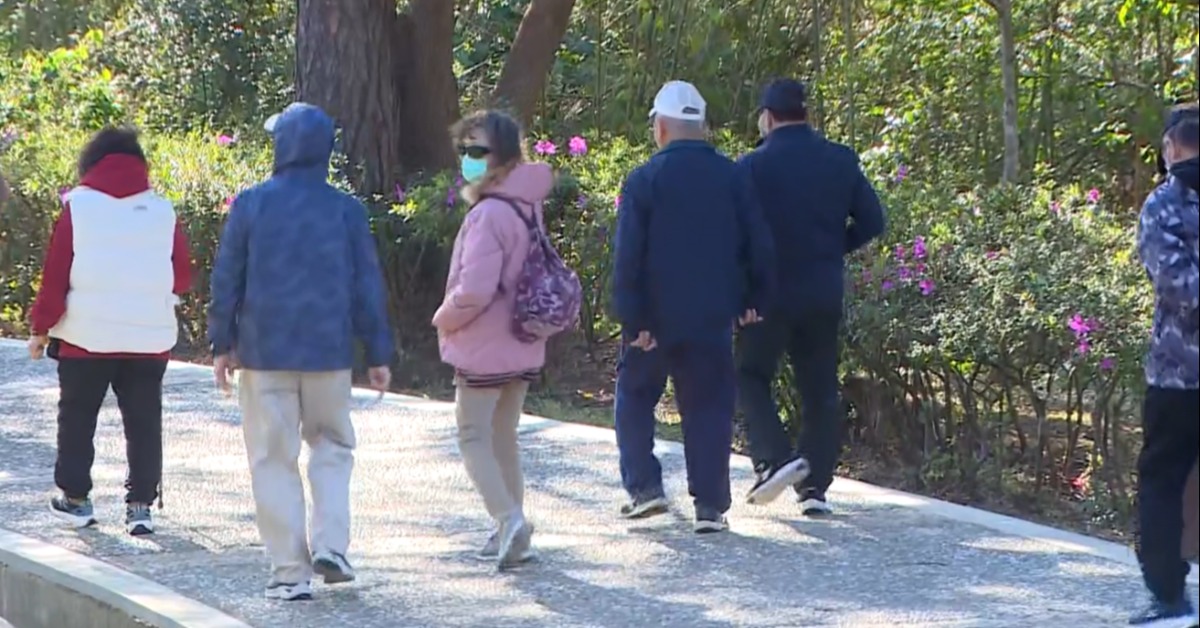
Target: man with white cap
693, 257
295, 283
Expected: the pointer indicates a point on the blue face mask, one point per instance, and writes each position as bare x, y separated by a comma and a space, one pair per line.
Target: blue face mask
473, 169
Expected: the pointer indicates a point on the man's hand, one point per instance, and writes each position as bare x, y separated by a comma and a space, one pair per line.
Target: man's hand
224, 367
644, 341
37, 347
749, 317
380, 378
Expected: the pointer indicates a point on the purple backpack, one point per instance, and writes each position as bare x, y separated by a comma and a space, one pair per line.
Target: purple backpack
549, 294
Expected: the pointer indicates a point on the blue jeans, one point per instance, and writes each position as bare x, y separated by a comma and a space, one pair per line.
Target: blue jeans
705, 393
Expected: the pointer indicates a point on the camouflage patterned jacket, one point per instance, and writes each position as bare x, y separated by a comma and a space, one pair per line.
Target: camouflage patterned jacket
1167, 245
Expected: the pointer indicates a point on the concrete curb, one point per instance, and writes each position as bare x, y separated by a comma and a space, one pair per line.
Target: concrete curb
46, 586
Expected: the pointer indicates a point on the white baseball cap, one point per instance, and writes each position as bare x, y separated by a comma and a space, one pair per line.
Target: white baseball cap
679, 100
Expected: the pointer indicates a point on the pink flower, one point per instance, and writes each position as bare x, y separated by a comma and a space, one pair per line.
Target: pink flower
228, 203
904, 273
926, 286
1080, 325
1083, 347
545, 147
901, 173
901, 252
887, 285
921, 268
991, 255
400, 195
225, 140
919, 251
617, 202
62, 193
1107, 364
577, 146
1093, 196
866, 274
1055, 207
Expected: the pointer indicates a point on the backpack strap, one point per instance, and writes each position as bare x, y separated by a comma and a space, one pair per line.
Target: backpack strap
531, 222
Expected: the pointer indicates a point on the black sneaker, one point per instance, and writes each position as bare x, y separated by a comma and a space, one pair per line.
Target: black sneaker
1159, 614
645, 506
709, 520
814, 505
774, 479
138, 520
78, 512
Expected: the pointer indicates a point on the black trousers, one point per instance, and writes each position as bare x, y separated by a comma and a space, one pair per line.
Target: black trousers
83, 384
1170, 430
810, 340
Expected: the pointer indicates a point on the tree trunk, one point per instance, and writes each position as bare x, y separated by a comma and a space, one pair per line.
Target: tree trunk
425, 76
531, 57
1008, 71
345, 64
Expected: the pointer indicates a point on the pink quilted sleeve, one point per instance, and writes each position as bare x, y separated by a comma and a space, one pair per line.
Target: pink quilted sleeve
482, 263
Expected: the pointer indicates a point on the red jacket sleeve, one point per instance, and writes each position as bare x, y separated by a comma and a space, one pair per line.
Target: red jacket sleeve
51, 301
181, 260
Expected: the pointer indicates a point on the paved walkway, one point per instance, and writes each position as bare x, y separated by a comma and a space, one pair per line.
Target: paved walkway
885, 560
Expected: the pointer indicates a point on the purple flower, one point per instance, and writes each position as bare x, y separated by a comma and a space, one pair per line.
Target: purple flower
1107, 364
228, 203
926, 286
919, 251
581, 201
991, 255
904, 273
1083, 347
1055, 207
901, 252
887, 285
901, 173
400, 195
1080, 325
1093, 196
577, 146
451, 197
62, 193
545, 147
921, 268
617, 202
866, 274
225, 140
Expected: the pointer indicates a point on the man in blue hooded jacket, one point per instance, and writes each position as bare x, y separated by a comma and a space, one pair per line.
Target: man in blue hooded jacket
295, 282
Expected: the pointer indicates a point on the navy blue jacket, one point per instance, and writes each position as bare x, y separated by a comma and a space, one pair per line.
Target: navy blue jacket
692, 249
297, 278
820, 207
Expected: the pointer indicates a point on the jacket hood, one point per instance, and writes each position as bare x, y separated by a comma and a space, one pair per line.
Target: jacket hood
117, 176
1188, 172
529, 182
303, 135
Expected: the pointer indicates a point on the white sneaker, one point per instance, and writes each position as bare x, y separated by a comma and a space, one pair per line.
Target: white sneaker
516, 538
289, 592
333, 567
490, 552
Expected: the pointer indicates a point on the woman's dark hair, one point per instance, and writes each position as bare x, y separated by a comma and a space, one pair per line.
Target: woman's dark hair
110, 141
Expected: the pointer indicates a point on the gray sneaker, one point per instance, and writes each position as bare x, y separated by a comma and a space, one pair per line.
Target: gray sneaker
490, 551
516, 538
138, 520
78, 513
333, 567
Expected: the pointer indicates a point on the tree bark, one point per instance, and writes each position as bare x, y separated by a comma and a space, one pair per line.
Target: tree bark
425, 76
532, 56
1008, 72
345, 64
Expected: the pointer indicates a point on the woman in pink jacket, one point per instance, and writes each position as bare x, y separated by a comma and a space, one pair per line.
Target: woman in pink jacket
493, 368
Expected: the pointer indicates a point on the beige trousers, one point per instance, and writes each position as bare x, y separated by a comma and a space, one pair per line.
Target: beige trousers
279, 410
487, 438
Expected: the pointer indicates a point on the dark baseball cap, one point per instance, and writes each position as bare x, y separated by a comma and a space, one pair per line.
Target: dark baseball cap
1179, 113
786, 98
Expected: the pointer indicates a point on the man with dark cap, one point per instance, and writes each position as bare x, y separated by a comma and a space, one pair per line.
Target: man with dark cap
820, 207
1168, 247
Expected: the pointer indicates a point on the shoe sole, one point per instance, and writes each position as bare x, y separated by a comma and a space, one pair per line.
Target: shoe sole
709, 527
75, 520
790, 474
140, 528
820, 509
302, 596
331, 572
1174, 622
649, 508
